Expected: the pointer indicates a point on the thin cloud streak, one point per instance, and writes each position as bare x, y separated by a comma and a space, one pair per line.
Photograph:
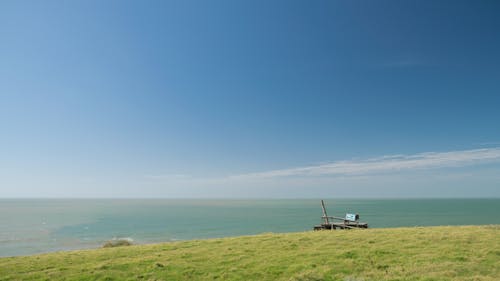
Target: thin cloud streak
385, 164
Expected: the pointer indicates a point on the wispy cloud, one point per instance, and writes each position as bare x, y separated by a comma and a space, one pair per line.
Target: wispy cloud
429, 174
385, 164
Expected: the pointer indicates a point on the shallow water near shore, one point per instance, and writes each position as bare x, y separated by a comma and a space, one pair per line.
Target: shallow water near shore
29, 226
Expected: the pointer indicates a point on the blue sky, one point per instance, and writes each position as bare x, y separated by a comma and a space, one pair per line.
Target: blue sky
249, 99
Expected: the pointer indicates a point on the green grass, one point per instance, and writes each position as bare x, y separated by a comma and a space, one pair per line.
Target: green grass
423, 253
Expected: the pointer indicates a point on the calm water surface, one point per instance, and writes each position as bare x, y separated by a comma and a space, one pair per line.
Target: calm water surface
30, 226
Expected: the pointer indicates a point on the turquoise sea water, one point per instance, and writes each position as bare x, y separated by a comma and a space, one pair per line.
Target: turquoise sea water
30, 226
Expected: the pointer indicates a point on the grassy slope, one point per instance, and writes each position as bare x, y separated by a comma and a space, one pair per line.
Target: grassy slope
427, 253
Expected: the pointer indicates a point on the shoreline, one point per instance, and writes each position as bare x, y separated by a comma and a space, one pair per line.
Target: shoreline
98, 246
439, 252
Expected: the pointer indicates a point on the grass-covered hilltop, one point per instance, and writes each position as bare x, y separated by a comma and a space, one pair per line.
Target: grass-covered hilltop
422, 253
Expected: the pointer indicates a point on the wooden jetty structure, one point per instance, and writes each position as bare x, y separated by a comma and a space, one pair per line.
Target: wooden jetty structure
347, 222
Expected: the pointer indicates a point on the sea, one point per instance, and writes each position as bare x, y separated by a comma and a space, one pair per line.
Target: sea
31, 226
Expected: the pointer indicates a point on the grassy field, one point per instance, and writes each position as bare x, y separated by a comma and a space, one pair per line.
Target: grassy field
423, 253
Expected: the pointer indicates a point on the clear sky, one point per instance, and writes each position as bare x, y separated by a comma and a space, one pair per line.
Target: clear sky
249, 98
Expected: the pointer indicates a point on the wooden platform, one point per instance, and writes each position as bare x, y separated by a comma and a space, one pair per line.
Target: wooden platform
348, 222
347, 225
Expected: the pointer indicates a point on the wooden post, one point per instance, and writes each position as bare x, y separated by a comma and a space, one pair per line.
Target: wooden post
325, 216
